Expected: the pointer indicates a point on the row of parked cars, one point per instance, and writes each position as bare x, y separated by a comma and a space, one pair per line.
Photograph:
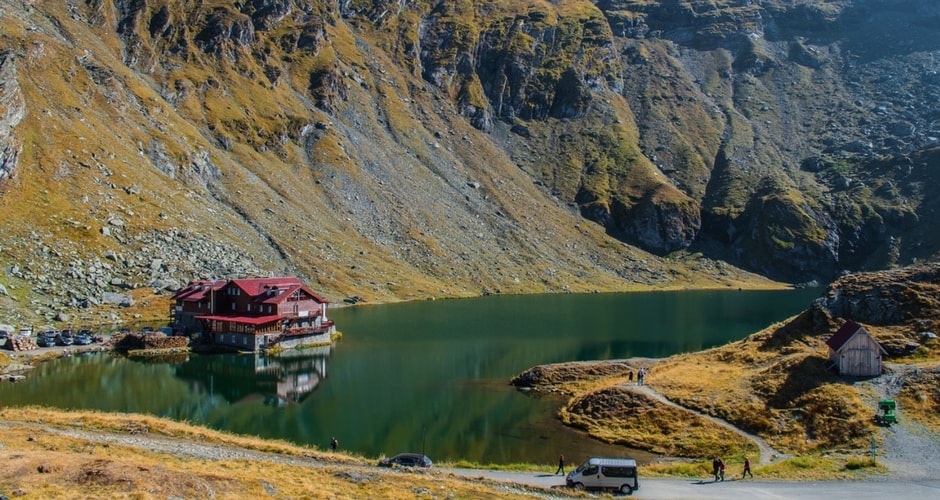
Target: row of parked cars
50, 338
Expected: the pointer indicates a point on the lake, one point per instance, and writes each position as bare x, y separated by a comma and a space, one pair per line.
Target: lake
426, 377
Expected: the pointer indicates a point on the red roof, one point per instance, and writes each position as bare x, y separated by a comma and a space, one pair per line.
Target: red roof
246, 320
845, 333
197, 291
258, 288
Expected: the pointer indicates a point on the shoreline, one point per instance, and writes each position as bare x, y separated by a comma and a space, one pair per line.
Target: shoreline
22, 361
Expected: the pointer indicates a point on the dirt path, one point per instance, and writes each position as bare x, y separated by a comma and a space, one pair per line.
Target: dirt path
908, 449
768, 454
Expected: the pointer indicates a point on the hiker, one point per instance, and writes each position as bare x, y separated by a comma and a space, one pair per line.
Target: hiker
747, 468
640, 375
630, 375
715, 464
721, 469
561, 465
333, 443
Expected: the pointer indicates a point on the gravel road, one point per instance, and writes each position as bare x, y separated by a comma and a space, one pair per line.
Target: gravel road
910, 451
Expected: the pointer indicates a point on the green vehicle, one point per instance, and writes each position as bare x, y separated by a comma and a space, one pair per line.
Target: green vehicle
886, 415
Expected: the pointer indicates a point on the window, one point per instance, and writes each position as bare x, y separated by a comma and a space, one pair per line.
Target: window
610, 471
233, 306
249, 307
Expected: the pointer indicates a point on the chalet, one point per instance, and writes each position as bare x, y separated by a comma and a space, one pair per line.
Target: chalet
197, 299
253, 314
854, 352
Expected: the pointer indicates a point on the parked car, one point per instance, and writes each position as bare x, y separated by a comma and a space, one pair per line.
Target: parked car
84, 339
407, 460
146, 329
65, 337
46, 338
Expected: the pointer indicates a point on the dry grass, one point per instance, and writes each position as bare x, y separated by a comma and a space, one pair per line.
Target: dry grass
56, 454
800, 468
919, 399
773, 384
620, 416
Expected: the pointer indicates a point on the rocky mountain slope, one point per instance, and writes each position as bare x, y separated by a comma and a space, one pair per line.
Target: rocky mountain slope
412, 149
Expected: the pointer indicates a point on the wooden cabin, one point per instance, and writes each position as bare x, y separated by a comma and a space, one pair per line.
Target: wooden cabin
854, 352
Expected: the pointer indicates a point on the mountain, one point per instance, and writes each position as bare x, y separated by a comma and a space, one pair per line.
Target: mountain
397, 150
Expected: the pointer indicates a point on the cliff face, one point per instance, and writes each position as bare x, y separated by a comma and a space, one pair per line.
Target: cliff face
427, 148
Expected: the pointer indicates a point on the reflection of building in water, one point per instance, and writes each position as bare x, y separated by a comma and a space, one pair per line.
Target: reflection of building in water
279, 380
300, 375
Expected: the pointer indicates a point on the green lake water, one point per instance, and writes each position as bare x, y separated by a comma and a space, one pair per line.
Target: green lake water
427, 377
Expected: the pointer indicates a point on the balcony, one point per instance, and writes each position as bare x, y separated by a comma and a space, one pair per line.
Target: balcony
325, 327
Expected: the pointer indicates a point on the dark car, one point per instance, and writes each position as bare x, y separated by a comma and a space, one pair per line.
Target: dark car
407, 460
84, 339
46, 339
63, 340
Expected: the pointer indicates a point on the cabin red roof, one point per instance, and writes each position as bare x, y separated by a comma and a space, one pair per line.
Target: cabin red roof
197, 291
843, 334
247, 320
259, 288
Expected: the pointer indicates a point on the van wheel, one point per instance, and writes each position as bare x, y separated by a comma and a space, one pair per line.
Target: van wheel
626, 489
579, 486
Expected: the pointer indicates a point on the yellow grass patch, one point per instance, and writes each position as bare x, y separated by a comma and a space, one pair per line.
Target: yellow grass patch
920, 397
621, 416
56, 454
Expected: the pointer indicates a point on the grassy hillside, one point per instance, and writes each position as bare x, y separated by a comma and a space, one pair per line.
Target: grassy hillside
775, 383
54, 454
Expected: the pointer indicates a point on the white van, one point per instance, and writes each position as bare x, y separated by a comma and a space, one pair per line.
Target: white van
605, 473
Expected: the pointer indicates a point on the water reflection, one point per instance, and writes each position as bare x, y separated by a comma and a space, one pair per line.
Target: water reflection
283, 379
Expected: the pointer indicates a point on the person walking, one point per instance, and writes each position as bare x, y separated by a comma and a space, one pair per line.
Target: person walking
715, 468
640, 375
721, 469
747, 468
334, 443
561, 465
